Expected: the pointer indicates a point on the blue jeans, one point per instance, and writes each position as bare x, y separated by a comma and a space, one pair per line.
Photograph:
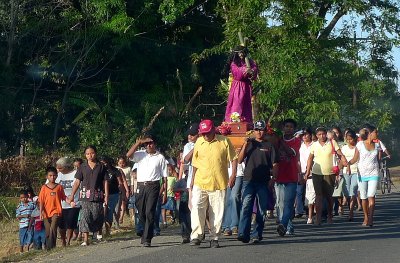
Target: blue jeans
285, 197
184, 219
157, 217
226, 221
299, 199
112, 203
232, 205
249, 192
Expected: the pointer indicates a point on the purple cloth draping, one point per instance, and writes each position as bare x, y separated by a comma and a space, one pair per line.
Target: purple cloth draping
240, 92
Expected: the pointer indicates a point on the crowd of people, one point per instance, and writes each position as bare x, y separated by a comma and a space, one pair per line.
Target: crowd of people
211, 187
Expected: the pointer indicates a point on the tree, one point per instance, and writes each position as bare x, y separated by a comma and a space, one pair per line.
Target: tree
310, 65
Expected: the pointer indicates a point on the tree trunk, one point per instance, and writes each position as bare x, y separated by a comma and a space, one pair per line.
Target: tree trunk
13, 19
58, 120
354, 98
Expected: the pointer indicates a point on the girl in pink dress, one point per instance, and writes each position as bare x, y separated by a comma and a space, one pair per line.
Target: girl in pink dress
240, 92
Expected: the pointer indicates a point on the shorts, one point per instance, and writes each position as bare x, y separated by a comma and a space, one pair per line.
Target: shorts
131, 202
69, 218
351, 185
39, 239
310, 193
323, 184
170, 204
92, 216
25, 236
367, 188
338, 187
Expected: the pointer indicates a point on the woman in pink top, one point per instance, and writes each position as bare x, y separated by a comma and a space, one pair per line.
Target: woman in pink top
240, 92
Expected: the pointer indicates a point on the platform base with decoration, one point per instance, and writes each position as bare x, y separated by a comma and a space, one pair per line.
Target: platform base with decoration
237, 132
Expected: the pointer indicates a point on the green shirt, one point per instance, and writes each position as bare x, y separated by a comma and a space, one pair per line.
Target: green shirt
171, 180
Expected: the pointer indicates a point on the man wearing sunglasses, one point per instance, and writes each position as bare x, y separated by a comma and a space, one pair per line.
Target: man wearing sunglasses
151, 168
211, 156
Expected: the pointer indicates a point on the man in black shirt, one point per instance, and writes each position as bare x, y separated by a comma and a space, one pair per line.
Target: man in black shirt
260, 157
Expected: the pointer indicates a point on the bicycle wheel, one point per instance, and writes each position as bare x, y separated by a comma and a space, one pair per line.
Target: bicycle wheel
389, 181
383, 186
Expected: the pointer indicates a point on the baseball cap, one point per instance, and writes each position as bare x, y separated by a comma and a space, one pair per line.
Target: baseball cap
193, 129
206, 126
259, 125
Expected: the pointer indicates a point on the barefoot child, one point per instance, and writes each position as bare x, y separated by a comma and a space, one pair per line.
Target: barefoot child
39, 234
23, 214
50, 197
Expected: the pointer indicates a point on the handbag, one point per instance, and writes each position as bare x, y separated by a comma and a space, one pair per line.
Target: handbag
335, 160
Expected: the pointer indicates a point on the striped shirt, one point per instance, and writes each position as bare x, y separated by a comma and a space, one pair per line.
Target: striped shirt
24, 209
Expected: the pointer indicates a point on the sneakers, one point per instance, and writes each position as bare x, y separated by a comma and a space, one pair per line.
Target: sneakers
298, 216
243, 239
214, 244
146, 244
84, 244
227, 232
195, 242
99, 238
185, 240
309, 221
270, 214
235, 231
257, 240
281, 229
288, 233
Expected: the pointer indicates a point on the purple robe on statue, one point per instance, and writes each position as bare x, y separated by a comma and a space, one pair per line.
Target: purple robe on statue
240, 92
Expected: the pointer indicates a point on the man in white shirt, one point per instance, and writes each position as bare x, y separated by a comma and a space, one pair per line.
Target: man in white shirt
184, 211
69, 218
151, 169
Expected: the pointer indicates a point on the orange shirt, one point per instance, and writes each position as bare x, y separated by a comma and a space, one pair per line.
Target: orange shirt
51, 200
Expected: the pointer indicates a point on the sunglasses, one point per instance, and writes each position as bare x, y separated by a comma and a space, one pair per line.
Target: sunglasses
148, 143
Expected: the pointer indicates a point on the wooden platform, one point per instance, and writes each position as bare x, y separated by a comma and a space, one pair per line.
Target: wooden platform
237, 139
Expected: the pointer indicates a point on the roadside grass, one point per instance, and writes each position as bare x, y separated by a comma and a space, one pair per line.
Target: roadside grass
9, 243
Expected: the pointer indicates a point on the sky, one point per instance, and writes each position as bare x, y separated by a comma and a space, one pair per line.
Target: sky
351, 18
396, 55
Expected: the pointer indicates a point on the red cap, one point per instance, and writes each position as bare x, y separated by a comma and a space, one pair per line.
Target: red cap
205, 126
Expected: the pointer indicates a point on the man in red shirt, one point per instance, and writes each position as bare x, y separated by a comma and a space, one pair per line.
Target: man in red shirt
288, 177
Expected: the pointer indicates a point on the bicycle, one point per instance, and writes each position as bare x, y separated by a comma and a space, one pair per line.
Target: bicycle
386, 181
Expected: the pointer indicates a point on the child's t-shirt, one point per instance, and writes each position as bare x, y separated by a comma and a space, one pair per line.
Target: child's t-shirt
171, 180
24, 209
51, 200
38, 224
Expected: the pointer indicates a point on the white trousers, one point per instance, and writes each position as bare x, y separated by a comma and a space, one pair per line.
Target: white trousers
214, 202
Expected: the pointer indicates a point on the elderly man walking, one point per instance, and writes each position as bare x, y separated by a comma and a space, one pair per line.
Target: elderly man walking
211, 156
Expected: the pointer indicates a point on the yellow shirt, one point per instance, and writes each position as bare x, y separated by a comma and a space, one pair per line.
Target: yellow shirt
211, 160
323, 157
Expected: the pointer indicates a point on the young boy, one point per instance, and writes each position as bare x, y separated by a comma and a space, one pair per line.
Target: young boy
23, 214
50, 197
39, 234
170, 205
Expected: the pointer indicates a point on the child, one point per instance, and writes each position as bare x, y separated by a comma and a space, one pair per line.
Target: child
50, 197
23, 214
39, 234
170, 205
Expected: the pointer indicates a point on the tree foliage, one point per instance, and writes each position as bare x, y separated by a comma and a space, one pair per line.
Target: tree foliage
77, 72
